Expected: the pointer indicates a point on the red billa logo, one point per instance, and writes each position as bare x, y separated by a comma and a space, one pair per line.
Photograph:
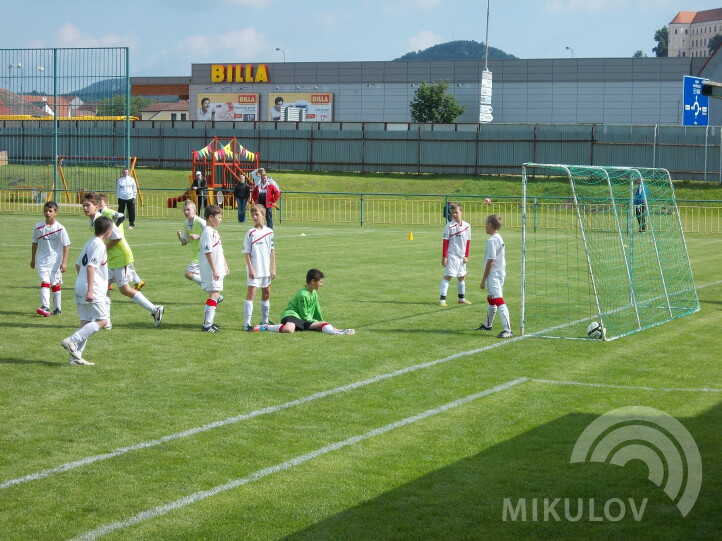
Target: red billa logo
320, 98
246, 98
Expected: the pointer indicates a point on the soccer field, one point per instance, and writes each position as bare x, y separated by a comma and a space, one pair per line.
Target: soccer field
417, 427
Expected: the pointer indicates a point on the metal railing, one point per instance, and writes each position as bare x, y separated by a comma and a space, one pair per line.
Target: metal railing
363, 208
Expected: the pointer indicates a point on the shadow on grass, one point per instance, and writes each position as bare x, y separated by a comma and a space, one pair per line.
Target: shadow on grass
434, 310
465, 500
54, 364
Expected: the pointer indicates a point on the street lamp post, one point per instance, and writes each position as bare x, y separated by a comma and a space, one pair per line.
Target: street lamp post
19, 66
571, 50
284, 53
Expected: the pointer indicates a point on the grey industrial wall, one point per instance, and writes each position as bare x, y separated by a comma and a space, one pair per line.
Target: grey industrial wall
586, 90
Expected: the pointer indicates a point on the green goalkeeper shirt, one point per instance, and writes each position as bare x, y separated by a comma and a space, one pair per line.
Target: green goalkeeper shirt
304, 305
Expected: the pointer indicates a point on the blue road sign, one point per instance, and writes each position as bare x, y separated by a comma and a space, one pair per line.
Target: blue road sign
695, 110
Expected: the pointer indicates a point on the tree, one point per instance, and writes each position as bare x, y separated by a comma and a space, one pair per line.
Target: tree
661, 36
115, 106
640, 54
714, 43
432, 104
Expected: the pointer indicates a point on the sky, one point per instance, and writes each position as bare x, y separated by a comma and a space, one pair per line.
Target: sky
166, 36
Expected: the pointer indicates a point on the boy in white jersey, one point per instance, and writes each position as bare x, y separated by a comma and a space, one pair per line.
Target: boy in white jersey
90, 291
212, 264
120, 261
455, 254
493, 280
118, 218
191, 235
260, 266
49, 253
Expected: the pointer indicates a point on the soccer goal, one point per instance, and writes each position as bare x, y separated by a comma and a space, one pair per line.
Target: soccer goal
596, 247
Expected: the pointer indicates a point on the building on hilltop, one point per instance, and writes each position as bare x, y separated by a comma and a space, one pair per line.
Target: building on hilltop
691, 31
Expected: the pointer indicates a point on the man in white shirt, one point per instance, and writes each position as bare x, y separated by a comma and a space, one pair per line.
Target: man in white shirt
126, 190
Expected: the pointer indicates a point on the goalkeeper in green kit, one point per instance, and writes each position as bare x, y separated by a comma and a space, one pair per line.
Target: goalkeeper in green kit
304, 312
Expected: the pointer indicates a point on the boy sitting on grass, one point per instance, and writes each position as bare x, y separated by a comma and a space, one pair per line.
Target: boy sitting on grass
304, 312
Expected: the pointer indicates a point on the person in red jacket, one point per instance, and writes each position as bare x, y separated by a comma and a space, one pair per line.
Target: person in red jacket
265, 193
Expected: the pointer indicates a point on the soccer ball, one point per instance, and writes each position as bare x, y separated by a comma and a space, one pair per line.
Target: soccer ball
487, 201
595, 330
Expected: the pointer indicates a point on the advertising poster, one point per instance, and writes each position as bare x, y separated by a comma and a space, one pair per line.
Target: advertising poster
238, 107
301, 106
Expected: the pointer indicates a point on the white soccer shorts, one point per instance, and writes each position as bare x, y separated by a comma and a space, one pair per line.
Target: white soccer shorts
93, 311
121, 275
455, 267
263, 281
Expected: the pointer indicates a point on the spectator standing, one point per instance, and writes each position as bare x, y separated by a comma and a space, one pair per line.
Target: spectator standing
641, 196
200, 187
126, 189
265, 192
241, 191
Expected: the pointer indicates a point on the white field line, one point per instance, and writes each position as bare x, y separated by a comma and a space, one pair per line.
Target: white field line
287, 465
257, 413
630, 387
245, 416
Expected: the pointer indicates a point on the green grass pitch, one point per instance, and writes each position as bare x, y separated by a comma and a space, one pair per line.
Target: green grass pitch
417, 427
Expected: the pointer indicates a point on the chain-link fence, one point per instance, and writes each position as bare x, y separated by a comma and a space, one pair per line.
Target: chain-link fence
66, 118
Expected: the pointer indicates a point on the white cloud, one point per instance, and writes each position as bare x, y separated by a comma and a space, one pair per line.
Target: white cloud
242, 43
256, 4
559, 6
424, 40
420, 4
69, 35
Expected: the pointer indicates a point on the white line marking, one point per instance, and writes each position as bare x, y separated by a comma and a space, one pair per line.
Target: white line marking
287, 465
245, 416
631, 387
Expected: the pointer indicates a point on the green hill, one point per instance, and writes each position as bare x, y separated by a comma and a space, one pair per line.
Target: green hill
457, 50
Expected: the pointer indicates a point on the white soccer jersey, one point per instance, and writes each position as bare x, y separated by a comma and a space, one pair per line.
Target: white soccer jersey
93, 255
495, 250
51, 239
458, 236
210, 243
259, 243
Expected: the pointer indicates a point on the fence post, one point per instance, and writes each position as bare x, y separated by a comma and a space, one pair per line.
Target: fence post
654, 146
706, 149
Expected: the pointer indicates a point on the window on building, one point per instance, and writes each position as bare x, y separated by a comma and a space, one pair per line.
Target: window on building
183, 116
173, 116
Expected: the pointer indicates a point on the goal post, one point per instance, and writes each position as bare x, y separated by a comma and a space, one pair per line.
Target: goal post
601, 243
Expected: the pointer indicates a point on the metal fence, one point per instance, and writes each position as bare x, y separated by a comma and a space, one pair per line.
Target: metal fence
51, 103
689, 153
364, 209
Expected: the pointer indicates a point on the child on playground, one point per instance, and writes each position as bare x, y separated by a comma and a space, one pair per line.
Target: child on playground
455, 254
260, 266
191, 235
91, 289
213, 265
118, 218
493, 279
120, 261
304, 312
49, 253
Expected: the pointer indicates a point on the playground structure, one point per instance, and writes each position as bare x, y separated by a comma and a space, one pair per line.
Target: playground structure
61, 175
223, 162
